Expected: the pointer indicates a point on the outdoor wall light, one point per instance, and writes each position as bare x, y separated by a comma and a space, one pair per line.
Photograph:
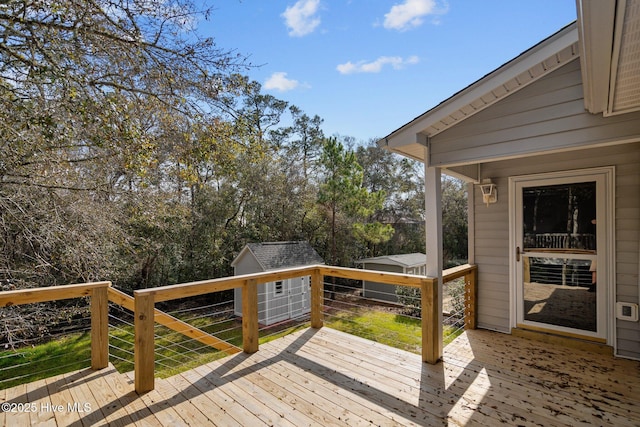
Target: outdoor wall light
489, 192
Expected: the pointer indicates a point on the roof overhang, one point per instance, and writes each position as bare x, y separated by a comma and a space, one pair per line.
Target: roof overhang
610, 51
540, 60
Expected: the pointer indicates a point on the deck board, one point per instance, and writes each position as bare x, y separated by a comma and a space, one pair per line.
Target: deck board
38, 395
325, 377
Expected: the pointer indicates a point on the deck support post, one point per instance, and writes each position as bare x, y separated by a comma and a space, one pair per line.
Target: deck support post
250, 334
471, 299
317, 298
431, 343
100, 327
144, 350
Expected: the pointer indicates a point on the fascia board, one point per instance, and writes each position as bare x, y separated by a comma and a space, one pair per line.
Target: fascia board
596, 32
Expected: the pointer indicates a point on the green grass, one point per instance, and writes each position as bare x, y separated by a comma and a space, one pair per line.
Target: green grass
174, 352
70, 353
177, 353
387, 328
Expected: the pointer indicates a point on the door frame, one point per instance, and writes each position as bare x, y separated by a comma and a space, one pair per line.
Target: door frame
605, 235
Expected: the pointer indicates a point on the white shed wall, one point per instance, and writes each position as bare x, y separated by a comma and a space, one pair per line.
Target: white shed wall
295, 299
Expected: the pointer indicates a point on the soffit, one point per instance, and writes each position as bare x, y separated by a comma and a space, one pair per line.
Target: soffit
624, 95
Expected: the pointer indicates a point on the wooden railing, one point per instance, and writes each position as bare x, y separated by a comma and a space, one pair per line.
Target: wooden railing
145, 300
470, 274
146, 315
98, 292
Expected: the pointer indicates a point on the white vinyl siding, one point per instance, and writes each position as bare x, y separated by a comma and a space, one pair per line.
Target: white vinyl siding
492, 257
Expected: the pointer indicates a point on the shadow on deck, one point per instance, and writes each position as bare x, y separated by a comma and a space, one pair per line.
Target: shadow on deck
325, 377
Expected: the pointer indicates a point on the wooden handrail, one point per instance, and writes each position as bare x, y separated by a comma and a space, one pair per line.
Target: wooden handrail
192, 289
457, 272
51, 293
99, 311
410, 280
146, 314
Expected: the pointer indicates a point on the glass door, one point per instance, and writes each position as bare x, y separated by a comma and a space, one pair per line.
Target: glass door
557, 247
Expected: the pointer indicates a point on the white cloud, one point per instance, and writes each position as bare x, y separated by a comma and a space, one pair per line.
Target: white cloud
376, 66
301, 18
409, 13
279, 81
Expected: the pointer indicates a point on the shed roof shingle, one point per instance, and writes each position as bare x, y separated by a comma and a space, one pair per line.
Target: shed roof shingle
276, 255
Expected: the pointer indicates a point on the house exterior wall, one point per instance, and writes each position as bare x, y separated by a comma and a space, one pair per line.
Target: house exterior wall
509, 139
381, 291
491, 239
547, 115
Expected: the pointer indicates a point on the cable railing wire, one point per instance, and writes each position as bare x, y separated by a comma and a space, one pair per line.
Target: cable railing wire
390, 314
174, 351
44, 349
345, 306
57, 369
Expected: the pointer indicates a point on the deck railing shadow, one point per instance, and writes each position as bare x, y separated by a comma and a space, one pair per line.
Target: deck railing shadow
432, 383
146, 315
63, 382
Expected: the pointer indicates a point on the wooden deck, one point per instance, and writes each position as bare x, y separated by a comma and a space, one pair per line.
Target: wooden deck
324, 377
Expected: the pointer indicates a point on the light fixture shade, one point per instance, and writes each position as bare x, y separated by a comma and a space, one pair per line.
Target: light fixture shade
489, 193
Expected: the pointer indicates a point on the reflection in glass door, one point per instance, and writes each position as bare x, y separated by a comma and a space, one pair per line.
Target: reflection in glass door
560, 280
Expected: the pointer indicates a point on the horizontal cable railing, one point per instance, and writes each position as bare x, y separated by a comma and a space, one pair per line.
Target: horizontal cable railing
391, 314
375, 319
187, 334
167, 329
121, 337
63, 345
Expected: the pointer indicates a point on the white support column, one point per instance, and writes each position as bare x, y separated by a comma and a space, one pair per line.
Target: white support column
433, 228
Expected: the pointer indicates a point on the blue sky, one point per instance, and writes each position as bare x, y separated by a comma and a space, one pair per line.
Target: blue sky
369, 66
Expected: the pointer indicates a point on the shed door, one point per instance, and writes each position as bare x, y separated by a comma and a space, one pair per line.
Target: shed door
560, 246
299, 296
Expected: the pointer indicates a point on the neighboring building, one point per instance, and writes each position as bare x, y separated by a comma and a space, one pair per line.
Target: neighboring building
406, 264
549, 144
283, 299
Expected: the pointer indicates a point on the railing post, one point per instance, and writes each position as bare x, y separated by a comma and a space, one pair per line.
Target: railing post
317, 298
250, 335
471, 299
99, 327
431, 343
144, 350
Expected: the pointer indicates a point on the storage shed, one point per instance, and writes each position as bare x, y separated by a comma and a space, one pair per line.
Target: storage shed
283, 299
414, 263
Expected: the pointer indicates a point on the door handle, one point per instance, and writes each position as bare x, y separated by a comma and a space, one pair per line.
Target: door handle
518, 253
